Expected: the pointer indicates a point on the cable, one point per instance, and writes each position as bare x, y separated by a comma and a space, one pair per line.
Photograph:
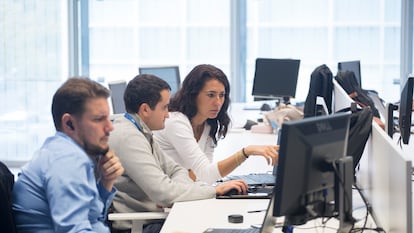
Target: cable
368, 210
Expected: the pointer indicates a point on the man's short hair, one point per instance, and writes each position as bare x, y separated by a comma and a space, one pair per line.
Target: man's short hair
144, 88
72, 96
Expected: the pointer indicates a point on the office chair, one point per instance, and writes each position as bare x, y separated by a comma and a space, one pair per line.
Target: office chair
117, 89
7, 223
138, 218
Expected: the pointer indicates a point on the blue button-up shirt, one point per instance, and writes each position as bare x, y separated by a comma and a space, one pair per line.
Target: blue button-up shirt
57, 191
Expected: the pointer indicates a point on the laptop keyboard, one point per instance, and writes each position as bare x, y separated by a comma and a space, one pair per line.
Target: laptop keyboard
256, 179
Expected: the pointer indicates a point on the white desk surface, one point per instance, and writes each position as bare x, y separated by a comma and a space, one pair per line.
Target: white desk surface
197, 216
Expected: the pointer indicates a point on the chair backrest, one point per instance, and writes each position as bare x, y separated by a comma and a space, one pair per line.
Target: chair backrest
7, 223
320, 85
117, 96
349, 83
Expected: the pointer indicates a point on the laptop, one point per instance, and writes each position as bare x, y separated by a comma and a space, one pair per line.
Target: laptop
268, 225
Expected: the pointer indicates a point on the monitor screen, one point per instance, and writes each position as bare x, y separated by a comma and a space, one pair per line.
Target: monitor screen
275, 78
170, 74
305, 183
354, 66
117, 96
405, 110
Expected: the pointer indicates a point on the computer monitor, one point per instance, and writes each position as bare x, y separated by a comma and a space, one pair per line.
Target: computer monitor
275, 78
308, 155
405, 110
354, 66
117, 89
171, 74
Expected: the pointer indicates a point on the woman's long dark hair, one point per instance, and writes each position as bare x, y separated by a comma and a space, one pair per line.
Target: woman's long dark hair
184, 100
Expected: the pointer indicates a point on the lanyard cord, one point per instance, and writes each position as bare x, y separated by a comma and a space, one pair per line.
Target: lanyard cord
131, 119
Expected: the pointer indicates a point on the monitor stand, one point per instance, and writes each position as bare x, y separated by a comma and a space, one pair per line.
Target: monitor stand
343, 193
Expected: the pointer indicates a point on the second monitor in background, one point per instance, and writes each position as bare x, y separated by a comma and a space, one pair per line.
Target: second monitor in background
171, 74
275, 78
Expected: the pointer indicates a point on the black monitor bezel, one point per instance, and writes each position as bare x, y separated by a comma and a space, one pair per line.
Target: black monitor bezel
276, 64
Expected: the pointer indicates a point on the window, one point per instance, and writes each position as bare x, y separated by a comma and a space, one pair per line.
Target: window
33, 62
124, 35
156, 33
327, 32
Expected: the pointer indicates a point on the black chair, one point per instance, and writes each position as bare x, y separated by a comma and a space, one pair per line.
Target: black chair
7, 223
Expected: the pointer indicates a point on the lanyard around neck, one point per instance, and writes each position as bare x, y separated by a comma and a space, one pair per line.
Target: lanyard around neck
131, 119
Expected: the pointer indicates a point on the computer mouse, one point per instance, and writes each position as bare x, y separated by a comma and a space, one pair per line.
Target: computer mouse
231, 192
252, 189
265, 107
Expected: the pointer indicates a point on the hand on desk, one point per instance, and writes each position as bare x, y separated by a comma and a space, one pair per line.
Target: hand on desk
239, 185
269, 152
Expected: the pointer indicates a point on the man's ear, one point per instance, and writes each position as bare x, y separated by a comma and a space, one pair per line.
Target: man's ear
67, 122
144, 109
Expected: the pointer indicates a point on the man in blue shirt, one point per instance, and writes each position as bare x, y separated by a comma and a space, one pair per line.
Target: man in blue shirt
68, 185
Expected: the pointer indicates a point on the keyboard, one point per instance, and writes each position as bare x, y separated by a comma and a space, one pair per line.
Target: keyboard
256, 178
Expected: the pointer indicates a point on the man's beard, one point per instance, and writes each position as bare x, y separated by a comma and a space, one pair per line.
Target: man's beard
94, 150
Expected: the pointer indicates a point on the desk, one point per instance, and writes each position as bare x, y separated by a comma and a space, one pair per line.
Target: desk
197, 216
